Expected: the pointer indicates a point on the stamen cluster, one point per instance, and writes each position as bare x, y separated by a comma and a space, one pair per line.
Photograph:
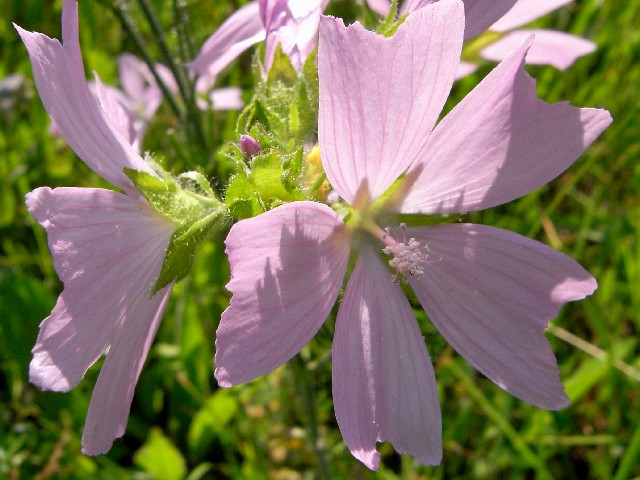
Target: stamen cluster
409, 257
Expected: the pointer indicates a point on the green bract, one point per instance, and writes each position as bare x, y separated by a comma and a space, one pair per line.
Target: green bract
188, 201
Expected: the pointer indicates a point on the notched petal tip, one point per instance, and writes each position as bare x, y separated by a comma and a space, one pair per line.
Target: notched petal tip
370, 458
45, 375
222, 377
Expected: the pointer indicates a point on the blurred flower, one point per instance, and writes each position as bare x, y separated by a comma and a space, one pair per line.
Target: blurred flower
130, 109
490, 292
558, 49
291, 23
13, 89
108, 248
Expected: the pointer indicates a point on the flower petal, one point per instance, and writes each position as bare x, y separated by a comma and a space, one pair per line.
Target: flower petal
61, 83
549, 48
381, 7
490, 293
140, 85
380, 97
498, 144
118, 110
241, 30
228, 98
465, 68
409, 6
525, 11
384, 386
287, 267
111, 399
294, 25
108, 251
481, 14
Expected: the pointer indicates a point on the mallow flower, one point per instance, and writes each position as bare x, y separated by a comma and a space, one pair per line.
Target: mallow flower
490, 292
502, 18
108, 248
292, 24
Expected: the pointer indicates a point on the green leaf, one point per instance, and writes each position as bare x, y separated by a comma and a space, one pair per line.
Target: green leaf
24, 303
159, 457
182, 248
211, 420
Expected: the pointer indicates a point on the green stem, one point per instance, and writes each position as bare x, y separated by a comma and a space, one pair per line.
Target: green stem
302, 376
118, 10
498, 418
186, 92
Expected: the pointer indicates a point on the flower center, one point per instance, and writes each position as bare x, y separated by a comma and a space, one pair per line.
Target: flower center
409, 257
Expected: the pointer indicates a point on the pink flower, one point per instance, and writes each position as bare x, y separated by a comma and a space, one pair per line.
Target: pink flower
549, 48
490, 292
558, 49
291, 23
108, 248
131, 109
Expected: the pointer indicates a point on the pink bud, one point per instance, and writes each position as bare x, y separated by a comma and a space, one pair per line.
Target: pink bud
249, 145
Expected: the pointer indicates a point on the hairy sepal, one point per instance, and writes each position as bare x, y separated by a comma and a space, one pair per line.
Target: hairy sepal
188, 201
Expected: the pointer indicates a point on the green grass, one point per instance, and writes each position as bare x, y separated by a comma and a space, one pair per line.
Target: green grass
183, 426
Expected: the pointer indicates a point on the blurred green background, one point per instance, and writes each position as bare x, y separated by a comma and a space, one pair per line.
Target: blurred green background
183, 426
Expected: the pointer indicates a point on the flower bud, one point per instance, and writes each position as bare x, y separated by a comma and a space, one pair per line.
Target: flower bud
249, 145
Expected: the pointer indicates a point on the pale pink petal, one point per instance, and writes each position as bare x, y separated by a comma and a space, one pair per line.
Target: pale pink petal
380, 97
225, 98
490, 293
498, 144
139, 83
292, 24
549, 48
59, 77
381, 7
384, 386
287, 267
409, 6
229, 98
117, 109
525, 11
111, 399
481, 14
169, 80
465, 68
108, 251
241, 30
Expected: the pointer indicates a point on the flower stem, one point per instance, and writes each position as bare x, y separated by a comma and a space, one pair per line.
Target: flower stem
119, 11
186, 92
301, 373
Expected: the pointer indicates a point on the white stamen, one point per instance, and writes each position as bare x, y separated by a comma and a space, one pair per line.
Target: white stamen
409, 257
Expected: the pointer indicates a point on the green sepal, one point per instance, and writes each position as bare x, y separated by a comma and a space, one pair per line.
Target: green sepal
389, 25
189, 201
171, 199
267, 181
182, 247
285, 102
